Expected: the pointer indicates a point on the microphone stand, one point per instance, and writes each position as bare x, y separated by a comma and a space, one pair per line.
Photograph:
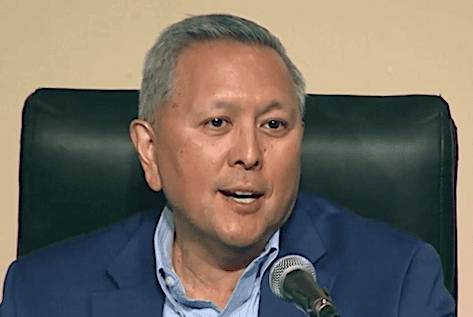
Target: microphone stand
324, 308
312, 299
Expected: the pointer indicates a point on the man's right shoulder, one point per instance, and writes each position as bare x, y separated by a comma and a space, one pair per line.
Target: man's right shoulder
91, 249
77, 265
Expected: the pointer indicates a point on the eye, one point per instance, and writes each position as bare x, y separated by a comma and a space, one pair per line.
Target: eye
274, 124
217, 125
216, 122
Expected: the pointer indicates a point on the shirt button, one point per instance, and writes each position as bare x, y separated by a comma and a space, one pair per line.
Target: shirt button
169, 280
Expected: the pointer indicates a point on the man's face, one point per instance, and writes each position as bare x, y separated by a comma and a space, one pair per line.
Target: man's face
228, 143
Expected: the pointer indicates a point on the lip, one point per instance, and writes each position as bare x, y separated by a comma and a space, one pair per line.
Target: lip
242, 190
239, 206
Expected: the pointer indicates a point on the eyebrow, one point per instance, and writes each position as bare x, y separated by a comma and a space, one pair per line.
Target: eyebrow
225, 105
273, 105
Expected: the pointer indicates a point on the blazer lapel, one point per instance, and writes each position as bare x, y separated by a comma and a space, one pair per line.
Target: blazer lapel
298, 236
138, 292
133, 271
142, 300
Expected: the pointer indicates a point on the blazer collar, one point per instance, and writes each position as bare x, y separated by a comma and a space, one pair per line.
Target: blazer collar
300, 235
139, 294
133, 271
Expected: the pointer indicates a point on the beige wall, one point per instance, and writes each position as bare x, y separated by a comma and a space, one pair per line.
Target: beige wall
356, 47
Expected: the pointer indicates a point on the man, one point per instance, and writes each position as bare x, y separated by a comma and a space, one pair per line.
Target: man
219, 131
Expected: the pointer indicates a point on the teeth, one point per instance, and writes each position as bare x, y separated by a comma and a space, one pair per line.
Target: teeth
243, 200
244, 193
241, 197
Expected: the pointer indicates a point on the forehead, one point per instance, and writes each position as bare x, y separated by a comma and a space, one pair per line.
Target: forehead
228, 65
227, 51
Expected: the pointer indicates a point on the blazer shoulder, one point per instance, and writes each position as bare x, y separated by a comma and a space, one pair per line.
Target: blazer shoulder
59, 279
368, 257
352, 229
85, 255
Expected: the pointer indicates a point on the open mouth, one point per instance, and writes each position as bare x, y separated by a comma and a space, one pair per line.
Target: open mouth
242, 197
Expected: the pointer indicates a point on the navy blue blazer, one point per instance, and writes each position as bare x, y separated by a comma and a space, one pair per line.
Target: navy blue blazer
367, 267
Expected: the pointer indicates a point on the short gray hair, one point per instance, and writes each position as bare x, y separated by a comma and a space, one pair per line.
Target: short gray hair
160, 62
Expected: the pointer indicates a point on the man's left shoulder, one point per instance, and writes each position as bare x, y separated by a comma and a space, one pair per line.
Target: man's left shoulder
401, 273
344, 230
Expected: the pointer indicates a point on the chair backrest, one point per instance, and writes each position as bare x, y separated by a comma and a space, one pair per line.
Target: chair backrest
389, 158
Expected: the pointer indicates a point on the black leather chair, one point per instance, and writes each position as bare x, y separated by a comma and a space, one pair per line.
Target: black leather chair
389, 158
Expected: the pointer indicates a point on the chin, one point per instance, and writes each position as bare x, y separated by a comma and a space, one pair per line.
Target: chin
245, 241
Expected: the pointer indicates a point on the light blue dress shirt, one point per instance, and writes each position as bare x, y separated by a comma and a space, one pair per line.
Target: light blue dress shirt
244, 301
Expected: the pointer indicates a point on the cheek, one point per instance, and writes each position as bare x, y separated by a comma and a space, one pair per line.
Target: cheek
195, 163
283, 172
284, 161
183, 170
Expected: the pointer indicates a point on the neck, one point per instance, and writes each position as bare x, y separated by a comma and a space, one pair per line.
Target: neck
209, 272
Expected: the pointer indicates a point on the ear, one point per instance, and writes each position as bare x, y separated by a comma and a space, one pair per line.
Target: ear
144, 139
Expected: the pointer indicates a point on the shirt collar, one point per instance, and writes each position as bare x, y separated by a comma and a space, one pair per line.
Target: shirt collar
170, 283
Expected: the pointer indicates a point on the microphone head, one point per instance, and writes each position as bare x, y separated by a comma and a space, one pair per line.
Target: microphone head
284, 266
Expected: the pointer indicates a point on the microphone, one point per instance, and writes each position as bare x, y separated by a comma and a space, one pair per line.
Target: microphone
292, 278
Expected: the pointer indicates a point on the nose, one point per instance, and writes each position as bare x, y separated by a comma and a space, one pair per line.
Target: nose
246, 150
